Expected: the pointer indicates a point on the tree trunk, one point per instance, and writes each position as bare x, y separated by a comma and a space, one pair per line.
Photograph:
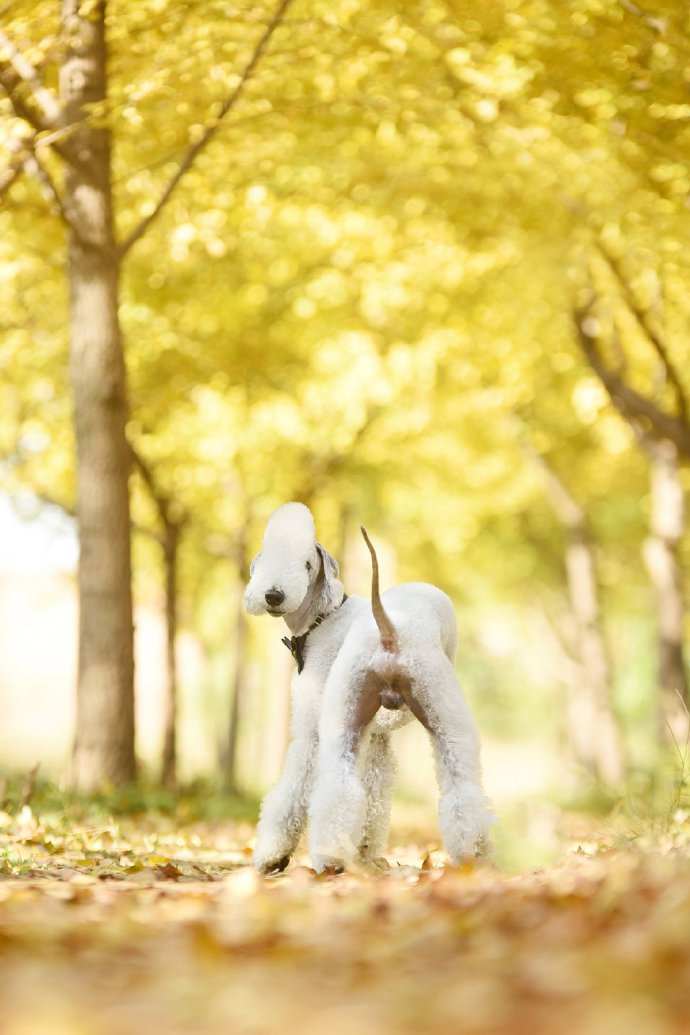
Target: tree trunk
661, 558
231, 774
595, 737
169, 760
104, 743
592, 727
239, 672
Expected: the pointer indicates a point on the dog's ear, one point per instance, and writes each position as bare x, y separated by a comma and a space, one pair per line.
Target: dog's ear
330, 565
252, 566
331, 588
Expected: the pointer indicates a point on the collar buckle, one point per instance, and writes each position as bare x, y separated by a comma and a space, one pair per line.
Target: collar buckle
296, 644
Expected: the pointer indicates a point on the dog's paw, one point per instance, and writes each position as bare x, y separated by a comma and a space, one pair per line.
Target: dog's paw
377, 864
327, 866
483, 847
268, 866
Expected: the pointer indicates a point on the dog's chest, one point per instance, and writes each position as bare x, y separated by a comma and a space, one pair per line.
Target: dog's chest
323, 644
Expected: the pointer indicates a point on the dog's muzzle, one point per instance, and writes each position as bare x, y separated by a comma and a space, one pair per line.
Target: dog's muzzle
274, 598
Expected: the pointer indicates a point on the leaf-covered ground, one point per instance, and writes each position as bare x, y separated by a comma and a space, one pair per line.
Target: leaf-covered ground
153, 925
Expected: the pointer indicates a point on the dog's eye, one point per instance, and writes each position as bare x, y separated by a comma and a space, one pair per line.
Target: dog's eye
308, 565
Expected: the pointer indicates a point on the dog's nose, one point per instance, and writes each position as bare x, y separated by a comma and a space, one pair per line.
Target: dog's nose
274, 597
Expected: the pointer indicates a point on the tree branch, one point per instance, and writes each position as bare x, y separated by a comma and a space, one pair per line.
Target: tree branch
630, 404
164, 504
196, 148
20, 79
33, 165
642, 317
9, 82
14, 169
27, 159
9, 175
563, 502
657, 24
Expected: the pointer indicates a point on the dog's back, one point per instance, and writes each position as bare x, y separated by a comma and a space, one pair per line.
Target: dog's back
423, 617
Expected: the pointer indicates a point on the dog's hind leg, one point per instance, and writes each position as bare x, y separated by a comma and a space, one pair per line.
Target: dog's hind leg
464, 813
338, 807
377, 778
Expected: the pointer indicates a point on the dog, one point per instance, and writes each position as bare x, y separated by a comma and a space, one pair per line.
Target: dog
362, 671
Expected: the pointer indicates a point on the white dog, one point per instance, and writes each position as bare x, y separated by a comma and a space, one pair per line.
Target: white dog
361, 673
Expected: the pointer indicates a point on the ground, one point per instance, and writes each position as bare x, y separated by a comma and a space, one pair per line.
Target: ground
157, 923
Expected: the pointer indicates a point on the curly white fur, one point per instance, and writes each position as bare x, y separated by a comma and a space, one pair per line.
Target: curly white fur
344, 783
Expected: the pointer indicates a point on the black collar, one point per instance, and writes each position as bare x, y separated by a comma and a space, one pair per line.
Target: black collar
296, 644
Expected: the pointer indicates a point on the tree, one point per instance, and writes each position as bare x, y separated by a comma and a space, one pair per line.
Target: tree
593, 731
104, 742
662, 435
395, 235
172, 519
661, 554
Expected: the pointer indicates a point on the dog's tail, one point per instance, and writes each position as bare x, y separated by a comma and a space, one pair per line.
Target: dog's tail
389, 640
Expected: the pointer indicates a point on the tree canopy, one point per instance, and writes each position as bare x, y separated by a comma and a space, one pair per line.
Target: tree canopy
362, 291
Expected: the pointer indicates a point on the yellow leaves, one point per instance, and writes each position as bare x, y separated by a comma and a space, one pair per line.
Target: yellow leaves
326, 85
369, 268
592, 943
494, 74
595, 97
664, 57
672, 112
255, 295
380, 296
256, 196
304, 308
181, 237
277, 417
589, 398
673, 175
615, 435
387, 133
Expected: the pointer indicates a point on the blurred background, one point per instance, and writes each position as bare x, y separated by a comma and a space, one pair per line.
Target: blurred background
422, 266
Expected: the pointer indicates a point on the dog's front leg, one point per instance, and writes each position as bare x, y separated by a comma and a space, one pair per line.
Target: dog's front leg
284, 809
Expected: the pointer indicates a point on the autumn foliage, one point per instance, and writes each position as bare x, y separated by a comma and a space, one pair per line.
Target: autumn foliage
151, 924
422, 265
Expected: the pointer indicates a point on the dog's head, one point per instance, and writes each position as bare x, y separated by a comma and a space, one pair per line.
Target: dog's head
292, 570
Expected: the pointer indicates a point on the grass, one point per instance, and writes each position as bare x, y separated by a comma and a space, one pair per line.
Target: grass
200, 800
